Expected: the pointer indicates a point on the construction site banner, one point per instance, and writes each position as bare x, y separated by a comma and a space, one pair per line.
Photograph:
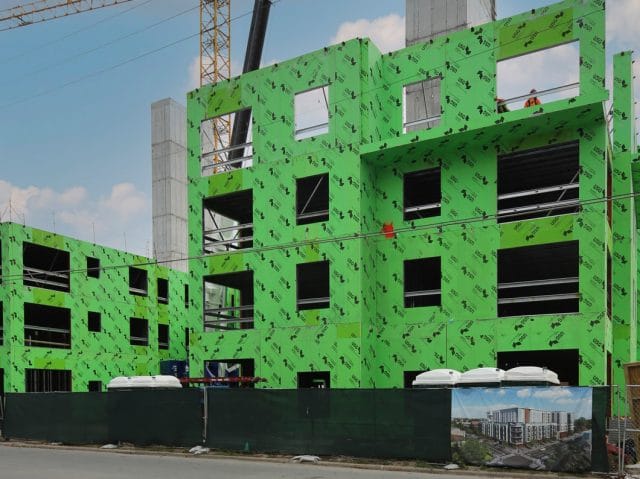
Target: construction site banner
541, 428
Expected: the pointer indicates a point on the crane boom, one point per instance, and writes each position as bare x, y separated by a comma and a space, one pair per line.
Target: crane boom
43, 10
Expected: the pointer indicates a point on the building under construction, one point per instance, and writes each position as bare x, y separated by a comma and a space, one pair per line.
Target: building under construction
389, 214
75, 314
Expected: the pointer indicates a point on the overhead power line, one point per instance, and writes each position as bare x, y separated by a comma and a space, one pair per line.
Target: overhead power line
438, 228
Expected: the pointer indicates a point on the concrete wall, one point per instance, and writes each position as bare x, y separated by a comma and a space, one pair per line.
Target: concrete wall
169, 177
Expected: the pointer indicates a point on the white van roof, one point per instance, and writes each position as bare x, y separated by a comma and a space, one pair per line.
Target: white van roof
144, 382
482, 375
437, 377
529, 374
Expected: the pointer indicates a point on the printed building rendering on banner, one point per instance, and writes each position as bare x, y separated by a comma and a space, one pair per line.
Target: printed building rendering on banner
545, 428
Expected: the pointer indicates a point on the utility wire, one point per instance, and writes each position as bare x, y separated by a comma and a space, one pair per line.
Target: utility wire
103, 45
75, 32
115, 66
437, 227
350, 99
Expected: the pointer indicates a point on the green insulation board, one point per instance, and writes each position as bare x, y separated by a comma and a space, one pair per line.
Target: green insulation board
366, 337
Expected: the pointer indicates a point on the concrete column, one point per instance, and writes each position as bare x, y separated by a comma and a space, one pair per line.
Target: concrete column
169, 177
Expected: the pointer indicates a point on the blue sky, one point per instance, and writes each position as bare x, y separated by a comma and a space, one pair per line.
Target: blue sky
474, 402
78, 158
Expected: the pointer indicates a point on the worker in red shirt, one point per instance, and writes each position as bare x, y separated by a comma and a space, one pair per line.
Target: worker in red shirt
533, 100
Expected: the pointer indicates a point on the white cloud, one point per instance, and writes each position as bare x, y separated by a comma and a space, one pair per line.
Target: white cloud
623, 18
73, 212
193, 80
552, 393
386, 32
524, 393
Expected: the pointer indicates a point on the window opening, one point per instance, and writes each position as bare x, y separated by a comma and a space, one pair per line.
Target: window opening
422, 282
228, 222
230, 368
218, 154
138, 281
1, 324
186, 295
422, 194
163, 336
314, 380
409, 376
312, 199
47, 326
551, 74
564, 362
95, 386
163, 290
138, 332
539, 279
422, 107
94, 322
313, 285
93, 267
45, 267
228, 301
311, 112
47, 380
539, 182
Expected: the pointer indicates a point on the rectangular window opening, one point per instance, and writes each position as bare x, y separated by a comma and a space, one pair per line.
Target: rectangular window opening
93, 267
540, 279
539, 182
163, 336
422, 106
546, 81
1, 324
47, 380
564, 362
230, 371
312, 199
138, 284
422, 282
311, 113
314, 380
46, 267
47, 326
409, 376
226, 142
422, 194
227, 222
228, 301
313, 285
95, 386
186, 295
138, 332
94, 320
163, 290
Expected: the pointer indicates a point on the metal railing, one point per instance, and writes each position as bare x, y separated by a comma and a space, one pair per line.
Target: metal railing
208, 159
541, 93
430, 122
212, 244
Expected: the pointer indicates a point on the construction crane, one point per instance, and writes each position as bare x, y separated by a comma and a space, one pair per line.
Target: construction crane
43, 10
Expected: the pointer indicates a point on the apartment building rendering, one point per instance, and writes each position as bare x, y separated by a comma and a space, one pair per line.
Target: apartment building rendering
343, 242
519, 426
75, 315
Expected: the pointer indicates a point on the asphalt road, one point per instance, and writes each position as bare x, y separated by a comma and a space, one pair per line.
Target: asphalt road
35, 463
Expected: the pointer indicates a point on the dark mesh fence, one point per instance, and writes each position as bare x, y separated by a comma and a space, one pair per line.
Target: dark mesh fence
71, 418
167, 417
391, 423
600, 403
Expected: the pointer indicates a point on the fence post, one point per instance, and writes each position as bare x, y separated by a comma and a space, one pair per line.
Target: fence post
205, 415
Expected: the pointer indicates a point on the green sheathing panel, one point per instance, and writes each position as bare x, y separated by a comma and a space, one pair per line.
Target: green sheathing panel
624, 227
367, 338
93, 356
